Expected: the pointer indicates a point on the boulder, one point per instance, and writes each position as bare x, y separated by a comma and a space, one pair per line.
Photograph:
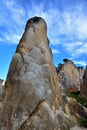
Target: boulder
69, 76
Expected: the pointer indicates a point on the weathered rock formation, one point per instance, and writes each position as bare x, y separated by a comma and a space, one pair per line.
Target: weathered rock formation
1, 93
81, 73
77, 112
84, 84
33, 98
1, 81
70, 76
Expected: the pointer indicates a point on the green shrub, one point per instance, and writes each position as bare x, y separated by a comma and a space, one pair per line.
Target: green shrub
84, 122
78, 98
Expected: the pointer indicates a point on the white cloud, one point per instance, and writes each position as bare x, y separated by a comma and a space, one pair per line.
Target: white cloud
81, 50
12, 38
70, 47
13, 20
1, 39
73, 23
76, 49
82, 63
15, 10
68, 23
54, 51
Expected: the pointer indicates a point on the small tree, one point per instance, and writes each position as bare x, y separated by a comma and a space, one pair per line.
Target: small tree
65, 60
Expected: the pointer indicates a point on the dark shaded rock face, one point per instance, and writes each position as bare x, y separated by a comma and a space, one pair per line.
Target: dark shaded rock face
1, 93
1, 81
84, 84
70, 76
33, 99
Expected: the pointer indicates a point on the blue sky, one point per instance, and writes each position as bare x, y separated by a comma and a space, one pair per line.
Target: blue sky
67, 28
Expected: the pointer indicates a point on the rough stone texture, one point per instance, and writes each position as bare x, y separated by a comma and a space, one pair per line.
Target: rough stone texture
33, 96
70, 76
77, 108
84, 84
1, 93
1, 81
78, 128
77, 111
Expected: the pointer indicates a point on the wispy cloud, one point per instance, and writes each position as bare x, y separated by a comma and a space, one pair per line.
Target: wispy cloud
1, 39
54, 51
15, 10
67, 28
81, 50
13, 20
76, 49
62, 25
12, 38
72, 46
81, 63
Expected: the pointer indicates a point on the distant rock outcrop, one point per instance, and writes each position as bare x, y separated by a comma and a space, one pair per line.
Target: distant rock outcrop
33, 97
1, 81
84, 84
70, 76
1, 93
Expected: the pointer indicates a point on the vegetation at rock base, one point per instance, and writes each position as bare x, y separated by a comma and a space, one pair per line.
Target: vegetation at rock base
78, 98
76, 95
84, 122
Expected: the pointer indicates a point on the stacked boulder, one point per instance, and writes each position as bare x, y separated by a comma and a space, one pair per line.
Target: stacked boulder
70, 76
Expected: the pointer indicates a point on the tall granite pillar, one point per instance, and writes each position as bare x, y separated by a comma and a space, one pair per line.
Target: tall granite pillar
33, 97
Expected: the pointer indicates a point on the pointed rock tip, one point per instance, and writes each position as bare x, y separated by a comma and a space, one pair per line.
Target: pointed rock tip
35, 20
